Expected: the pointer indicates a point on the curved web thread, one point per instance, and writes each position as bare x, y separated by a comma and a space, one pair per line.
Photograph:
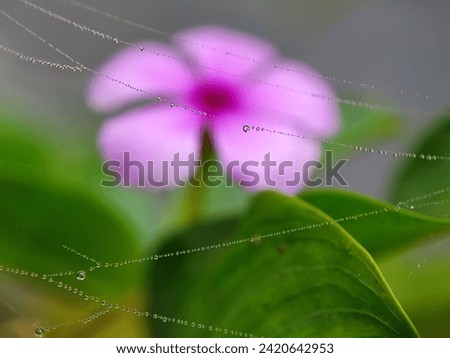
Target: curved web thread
433, 203
429, 156
116, 40
410, 204
112, 79
39, 61
230, 53
41, 329
425, 156
55, 278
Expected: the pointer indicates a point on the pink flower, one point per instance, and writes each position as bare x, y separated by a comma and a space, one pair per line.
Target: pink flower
234, 77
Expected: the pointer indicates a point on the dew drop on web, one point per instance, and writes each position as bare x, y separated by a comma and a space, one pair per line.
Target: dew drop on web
39, 332
81, 275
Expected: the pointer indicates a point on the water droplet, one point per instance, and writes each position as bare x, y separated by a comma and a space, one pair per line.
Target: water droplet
246, 128
39, 332
256, 239
172, 104
81, 275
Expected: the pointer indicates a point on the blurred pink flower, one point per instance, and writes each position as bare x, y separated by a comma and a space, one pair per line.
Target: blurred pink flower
156, 132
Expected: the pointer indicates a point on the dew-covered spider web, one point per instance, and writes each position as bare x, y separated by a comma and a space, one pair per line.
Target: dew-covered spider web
50, 49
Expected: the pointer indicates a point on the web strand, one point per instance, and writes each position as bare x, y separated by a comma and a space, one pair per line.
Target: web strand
52, 279
39, 61
180, 106
41, 329
260, 130
230, 53
116, 40
255, 239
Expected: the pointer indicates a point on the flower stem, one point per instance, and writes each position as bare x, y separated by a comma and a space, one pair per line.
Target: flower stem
193, 203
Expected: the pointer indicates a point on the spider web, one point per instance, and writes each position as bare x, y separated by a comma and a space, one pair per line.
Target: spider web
56, 57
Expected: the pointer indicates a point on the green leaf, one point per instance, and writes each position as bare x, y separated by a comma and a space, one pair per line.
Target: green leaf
419, 279
316, 282
37, 218
51, 196
385, 229
424, 176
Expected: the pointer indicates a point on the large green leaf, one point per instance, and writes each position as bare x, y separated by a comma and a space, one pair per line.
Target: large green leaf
51, 197
385, 229
420, 276
316, 282
419, 279
38, 218
424, 176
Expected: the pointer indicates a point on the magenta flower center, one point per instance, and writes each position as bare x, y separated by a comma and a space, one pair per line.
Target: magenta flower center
215, 97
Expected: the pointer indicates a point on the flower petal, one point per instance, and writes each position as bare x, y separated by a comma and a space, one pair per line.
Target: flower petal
224, 49
233, 144
151, 135
158, 70
293, 89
